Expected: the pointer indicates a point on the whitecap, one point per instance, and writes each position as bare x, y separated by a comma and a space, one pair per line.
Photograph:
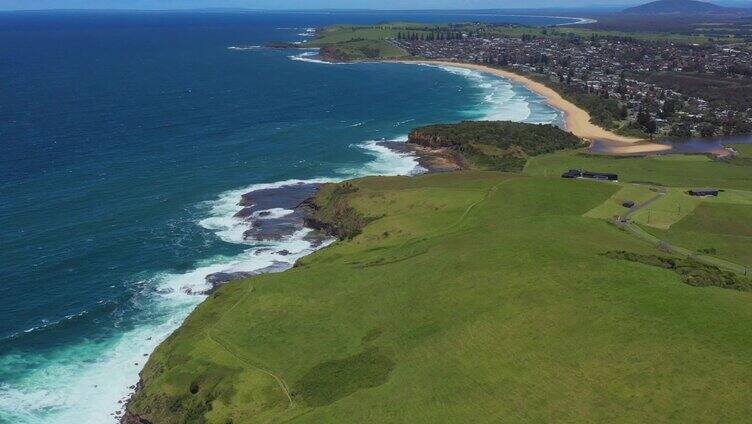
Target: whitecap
91, 380
385, 160
243, 47
310, 57
503, 100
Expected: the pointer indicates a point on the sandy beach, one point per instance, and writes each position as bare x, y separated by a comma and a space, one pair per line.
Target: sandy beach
577, 120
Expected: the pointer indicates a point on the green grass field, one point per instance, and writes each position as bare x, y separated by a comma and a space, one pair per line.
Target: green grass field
613, 206
366, 42
345, 33
340, 33
474, 297
724, 230
677, 218
674, 171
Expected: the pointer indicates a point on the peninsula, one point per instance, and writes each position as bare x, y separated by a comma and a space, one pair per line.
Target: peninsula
538, 282
623, 90
513, 292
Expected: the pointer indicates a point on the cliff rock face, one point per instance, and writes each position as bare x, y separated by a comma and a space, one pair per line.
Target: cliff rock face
333, 54
425, 139
129, 418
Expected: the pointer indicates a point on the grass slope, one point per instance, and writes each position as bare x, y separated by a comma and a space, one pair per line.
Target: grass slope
675, 170
724, 230
474, 297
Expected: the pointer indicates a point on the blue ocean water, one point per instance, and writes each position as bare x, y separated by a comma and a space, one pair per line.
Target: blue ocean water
126, 140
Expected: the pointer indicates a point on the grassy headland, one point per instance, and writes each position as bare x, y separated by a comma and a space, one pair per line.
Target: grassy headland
473, 296
358, 42
348, 42
494, 145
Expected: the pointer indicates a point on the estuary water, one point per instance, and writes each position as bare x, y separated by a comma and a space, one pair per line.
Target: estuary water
127, 140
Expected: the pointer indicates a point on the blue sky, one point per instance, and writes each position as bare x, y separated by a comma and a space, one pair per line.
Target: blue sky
301, 4
317, 4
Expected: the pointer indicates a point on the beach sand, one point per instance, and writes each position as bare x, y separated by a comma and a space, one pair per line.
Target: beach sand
577, 120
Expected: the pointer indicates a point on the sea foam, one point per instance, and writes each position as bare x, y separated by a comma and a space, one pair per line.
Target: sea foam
310, 56
499, 100
89, 382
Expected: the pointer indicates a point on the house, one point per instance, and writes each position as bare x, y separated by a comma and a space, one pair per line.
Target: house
599, 176
703, 192
578, 173
572, 173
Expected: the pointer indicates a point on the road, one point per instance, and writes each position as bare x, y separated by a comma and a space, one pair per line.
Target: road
624, 222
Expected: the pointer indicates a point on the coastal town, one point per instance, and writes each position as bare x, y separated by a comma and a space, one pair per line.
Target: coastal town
653, 88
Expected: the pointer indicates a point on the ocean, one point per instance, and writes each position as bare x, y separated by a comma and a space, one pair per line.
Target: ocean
127, 140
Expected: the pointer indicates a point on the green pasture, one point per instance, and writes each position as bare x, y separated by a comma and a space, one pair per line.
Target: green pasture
471, 297
674, 170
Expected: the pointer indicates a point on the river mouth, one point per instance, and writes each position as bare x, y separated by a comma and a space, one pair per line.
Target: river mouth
698, 145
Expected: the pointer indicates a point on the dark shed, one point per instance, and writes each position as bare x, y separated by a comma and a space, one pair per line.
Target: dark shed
703, 192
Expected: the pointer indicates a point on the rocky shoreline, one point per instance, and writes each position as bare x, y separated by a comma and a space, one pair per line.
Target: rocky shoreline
429, 158
298, 203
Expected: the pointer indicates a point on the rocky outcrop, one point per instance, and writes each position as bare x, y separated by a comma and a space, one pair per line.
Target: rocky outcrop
426, 139
218, 278
130, 418
332, 53
431, 159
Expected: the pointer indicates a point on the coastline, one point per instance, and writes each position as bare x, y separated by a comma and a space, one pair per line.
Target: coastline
577, 120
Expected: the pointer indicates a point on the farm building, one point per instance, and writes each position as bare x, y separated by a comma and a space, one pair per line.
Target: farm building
578, 173
703, 192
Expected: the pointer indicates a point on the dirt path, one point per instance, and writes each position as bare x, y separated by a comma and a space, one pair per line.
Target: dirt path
280, 381
627, 225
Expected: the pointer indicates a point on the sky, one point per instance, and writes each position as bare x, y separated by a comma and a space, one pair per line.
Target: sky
302, 4
314, 4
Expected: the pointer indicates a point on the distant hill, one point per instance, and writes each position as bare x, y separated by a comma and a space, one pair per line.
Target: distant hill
677, 7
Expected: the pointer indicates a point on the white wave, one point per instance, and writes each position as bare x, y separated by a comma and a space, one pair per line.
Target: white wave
243, 47
273, 213
222, 211
309, 57
83, 383
501, 100
357, 124
89, 382
386, 161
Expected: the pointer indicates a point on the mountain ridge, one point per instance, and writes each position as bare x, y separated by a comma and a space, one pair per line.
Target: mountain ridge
677, 7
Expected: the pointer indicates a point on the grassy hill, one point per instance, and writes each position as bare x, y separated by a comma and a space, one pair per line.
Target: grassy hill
469, 297
675, 7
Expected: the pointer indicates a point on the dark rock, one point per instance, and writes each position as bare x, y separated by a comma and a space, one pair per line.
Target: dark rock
244, 213
218, 278
286, 197
129, 418
283, 252
223, 277
275, 228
